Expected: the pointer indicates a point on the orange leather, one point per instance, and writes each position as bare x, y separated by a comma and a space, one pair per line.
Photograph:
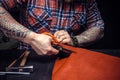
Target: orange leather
54, 39
85, 64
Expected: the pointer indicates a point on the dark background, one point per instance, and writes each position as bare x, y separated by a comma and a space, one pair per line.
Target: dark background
110, 13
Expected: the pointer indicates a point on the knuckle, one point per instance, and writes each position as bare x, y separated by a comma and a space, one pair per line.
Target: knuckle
49, 49
39, 53
44, 53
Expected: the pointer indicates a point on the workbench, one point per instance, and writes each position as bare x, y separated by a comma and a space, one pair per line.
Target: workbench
43, 65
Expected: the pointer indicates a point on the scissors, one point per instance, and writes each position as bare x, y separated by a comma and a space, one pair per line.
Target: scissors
64, 50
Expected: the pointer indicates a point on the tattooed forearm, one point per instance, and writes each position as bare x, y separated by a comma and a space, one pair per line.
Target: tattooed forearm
89, 36
10, 27
14, 31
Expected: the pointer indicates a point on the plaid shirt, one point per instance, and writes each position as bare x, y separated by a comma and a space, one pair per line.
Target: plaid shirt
51, 15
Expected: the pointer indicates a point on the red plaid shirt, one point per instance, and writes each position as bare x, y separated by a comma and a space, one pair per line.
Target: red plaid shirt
51, 15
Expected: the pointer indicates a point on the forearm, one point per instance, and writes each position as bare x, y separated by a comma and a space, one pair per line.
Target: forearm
90, 36
11, 28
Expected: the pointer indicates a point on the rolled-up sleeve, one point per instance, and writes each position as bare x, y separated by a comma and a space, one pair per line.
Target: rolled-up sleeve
11, 4
94, 18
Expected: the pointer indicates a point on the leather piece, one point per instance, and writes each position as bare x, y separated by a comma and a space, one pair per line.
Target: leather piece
85, 64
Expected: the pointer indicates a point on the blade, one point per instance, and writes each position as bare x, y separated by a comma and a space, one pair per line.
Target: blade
58, 47
63, 53
22, 73
20, 69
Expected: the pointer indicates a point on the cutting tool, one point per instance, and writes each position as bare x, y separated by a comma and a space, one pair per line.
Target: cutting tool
22, 69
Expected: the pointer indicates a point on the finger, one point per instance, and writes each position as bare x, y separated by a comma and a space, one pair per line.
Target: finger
53, 51
56, 33
59, 33
61, 38
37, 51
65, 41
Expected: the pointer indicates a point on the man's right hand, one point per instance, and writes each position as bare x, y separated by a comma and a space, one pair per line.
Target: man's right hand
41, 43
11, 28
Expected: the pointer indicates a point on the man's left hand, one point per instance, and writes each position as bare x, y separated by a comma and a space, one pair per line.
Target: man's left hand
63, 37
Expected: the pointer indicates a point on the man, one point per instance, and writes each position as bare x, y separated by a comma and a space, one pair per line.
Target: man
72, 22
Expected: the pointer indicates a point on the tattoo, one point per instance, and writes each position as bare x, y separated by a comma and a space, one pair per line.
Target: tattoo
89, 36
15, 31
11, 28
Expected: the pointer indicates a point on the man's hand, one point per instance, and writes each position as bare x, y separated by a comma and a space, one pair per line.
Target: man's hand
42, 44
63, 37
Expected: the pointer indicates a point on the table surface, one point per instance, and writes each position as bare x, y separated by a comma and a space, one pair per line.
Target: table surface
43, 65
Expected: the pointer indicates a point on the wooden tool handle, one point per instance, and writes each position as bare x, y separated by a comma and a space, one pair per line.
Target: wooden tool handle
24, 58
16, 60
23, 62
